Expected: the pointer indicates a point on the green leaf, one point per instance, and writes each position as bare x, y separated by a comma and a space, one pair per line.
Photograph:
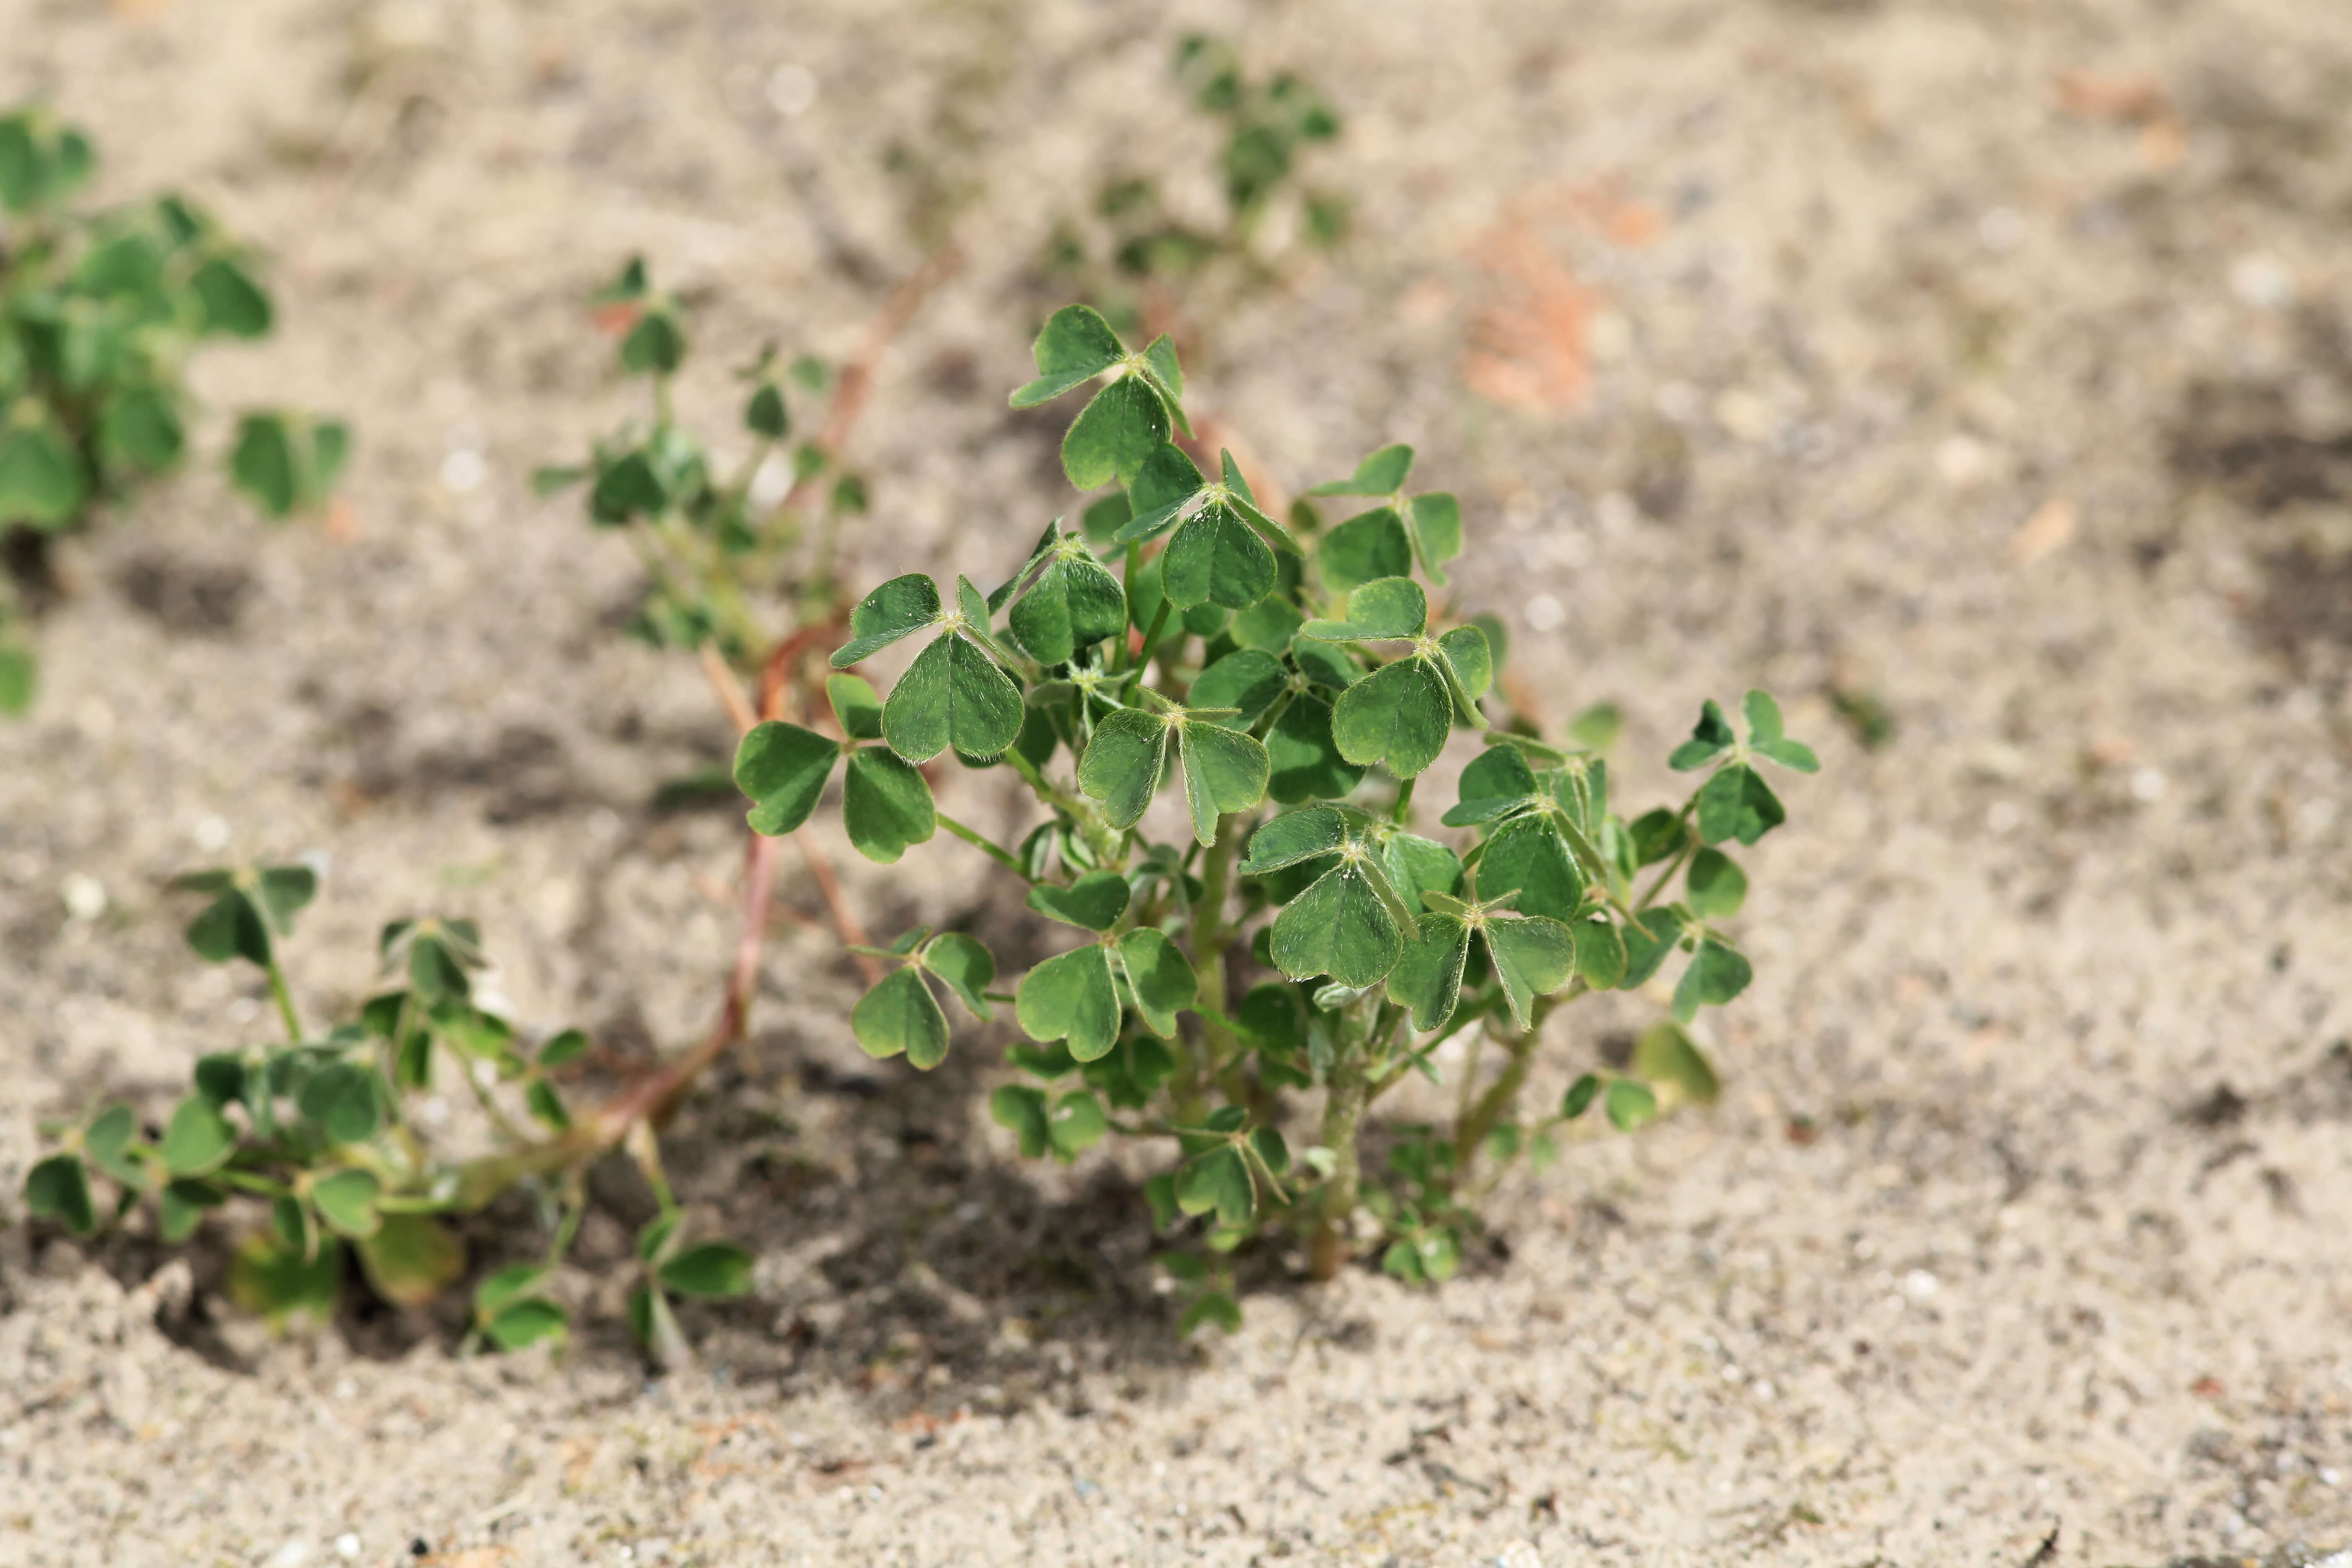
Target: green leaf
1711, 740
712, 1271
1630, 1104
1094, 902
1794, 755
1216, 557
654, 345
899, 1014
526, 1322
107, 1141
1532, 957
19, 676
965, 966
1267, 626
1225, 771
1075, 346
1716, 974
1398, 716
1364, 548
655, 1326
953, 694
344, 1101
563, 1049
1217, 1182
1294, 837
782, 767
1168, 479
1303, 760
1390, 609
1022, 1110
1436, 527
1597, 727
1648, 944
655, 1242
58, 1188
1381, 473
1070, 998
1717, 886
886, 805
855, 707
1579, 1097
898, 608
1125, 762
412, 1259
546, 1105
1159, 977
1124, 424
280, 890
1497, 782
42, 481
232, 301
766, 413
141, 431
230, 927
630, 486
1418, 867
265, 465
180, 1208
1599, 953
1657, 834
1526, 856
1665, 1053
1338, 927
268, 1276
1736, 802
1428, 974
1215, 1307
1075, 1125
346, 1200
1238, 496
1466, 653
1167, 377
1248, 680
1074, 605
198, 1140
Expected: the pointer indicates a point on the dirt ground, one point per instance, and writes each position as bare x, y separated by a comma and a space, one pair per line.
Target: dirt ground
1989, 361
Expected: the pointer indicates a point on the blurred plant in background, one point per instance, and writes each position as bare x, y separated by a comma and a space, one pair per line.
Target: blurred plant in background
1139, 261
99, 309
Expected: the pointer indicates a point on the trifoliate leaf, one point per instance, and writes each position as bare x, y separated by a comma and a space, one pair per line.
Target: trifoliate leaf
1497, 782
714, 1271
1709, 740
1648, 943
1217, 1182
1428, 973
1600, 953
1223, 770
1075, 346
198, 1140
1663, 1054
1717, 886
1528, 857
1388, 609
1124, 424
346, 1201
1736, 802
1125, 762
58, 1188
1093, 902
1716, 974
1364, 548
1023, 1110
1074, 604
1630, 1104
1159, 977
1465, 653
1294, 837
1217, 558
1339, 927
1532, 957
856, 708
1303, 758
965, 966
1248, 680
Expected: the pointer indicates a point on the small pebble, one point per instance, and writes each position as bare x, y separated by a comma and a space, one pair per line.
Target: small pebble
84, 896
347, 1546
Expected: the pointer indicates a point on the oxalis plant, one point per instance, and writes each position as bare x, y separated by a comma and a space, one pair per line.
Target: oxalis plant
329, 1135
1285, 929
99, 309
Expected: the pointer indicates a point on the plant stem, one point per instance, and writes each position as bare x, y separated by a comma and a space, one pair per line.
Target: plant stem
1403, 813
1152, 637
1470, 1129
285, 999
987, 846
1343, 1110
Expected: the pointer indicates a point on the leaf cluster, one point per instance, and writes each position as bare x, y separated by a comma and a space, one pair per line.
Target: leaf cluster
100, 311
729, 537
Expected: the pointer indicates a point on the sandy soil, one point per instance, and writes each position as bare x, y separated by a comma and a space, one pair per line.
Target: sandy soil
1991, 360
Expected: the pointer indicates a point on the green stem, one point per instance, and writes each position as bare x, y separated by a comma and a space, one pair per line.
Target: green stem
1343, 1111
1152, 637
994, 851
285, 999
1403, 813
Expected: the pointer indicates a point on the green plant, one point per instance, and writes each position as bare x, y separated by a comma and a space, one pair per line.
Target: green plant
1136, 248
98, 311
1298, 933
321, 1133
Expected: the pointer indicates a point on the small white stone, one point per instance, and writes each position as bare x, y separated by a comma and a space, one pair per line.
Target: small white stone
210, 832
2147, 785
772, 482
2262, 282
1765, 1392
463, 470
2329, 1476
2002, 816
293, 1554
1919, 1285
84, 896
347, 1546
792, 89
1519, 1554
1545, 613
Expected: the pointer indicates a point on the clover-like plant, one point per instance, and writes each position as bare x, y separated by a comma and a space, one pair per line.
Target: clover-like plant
331, 1136
1136, 248
99, 309
729, 556
1287, 928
